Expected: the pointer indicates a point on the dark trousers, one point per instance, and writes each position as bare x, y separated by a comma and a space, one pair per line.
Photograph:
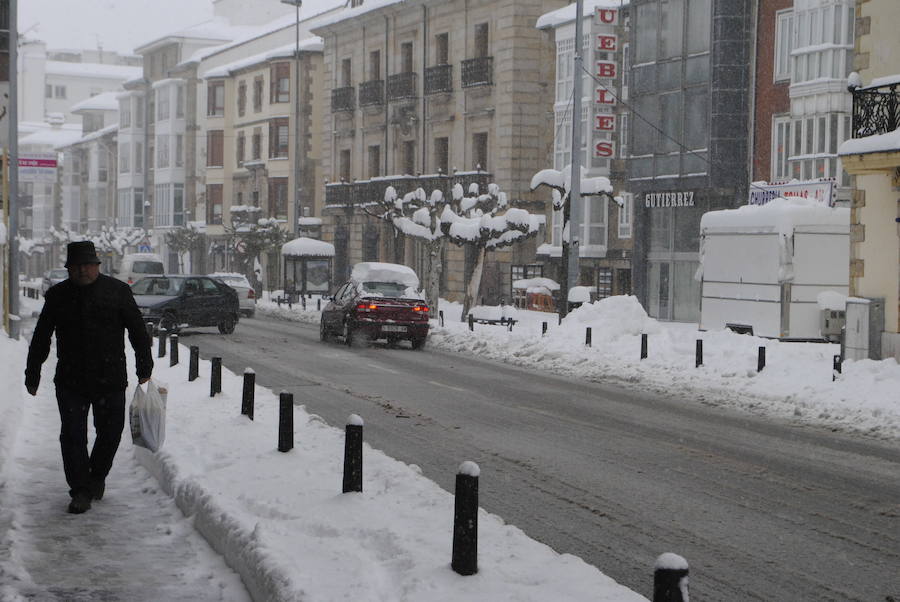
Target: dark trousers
109, 420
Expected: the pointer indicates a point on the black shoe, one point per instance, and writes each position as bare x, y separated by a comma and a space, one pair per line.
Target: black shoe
80, 504
97, 488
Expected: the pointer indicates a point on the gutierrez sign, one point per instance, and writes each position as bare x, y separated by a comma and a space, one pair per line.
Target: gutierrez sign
669, 199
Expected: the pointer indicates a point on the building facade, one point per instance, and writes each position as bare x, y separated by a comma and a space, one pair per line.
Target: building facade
428, 94
689, 145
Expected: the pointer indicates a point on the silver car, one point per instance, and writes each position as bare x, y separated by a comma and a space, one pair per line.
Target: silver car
54, 276
246, 294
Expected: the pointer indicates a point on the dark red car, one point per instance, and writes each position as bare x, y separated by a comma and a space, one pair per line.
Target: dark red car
380, 301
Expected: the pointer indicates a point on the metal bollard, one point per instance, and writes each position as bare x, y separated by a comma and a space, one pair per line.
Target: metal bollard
471, 323
761, 359
150, 330
543, 328
587, 336
560, 319
303, 302
644, 346
698, 354
285, 421
249, 394
670, 579
194, 364
173, 350
441, 317
836, 366
215, 381
163, 339
318, 305
353, 457
465, 520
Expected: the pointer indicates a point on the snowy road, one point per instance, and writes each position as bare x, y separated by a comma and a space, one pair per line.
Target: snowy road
761, 510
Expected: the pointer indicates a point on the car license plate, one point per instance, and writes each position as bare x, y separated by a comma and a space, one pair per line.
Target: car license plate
393, 328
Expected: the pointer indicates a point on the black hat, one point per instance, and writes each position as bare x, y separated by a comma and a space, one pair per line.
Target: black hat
81, 252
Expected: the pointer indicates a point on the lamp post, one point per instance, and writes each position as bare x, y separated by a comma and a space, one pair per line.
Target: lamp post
297, 208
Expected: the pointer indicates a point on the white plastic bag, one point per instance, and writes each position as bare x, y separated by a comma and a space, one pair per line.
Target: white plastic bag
148, 416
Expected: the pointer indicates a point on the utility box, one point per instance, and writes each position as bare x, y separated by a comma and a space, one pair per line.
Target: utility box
832, 324
865, 323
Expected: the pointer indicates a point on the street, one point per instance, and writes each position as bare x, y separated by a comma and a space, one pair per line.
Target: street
760, 510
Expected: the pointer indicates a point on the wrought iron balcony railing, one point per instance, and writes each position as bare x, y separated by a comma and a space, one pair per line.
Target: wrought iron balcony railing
478, 72
365, 192
876, 110
371, 93
343, 99
401, 85
438, 79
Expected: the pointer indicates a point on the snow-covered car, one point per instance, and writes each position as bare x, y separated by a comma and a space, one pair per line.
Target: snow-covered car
380, 301
176, 302
239, 282
54, 276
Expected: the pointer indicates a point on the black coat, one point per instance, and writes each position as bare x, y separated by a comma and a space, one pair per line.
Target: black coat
90, 324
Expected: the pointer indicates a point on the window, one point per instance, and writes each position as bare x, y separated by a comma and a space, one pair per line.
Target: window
822, 46
406, 57
565, 52
374, 161
781, 134
179, 101
214, 148
409, 157
214, 203
480, 151
139, 113
162, 104
257, 144
671, 28
375, 65
442, 155
138, 157
102, 165
278, 137
625, 214
163, 202
280, 83
138, 207
48, 91
59, 91
784, 43
278, 198
178, 205
442, 49
242, 98
179, 150
215, 101
344, 165
257, 94
239, 149
604, 283
125, 113
162, 151
594, 228
346, 73
482, 49
123, 158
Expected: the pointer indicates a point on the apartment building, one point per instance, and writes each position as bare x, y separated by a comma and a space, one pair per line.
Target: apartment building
873, 158
428, 94
606, 246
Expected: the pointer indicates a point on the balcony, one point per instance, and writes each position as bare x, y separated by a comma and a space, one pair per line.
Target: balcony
363, 192
343, 99
876, 110
371, 93
401, 85
478, 72
438, 79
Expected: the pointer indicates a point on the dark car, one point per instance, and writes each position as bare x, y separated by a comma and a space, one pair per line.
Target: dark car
54, 276
380, 301
175, 302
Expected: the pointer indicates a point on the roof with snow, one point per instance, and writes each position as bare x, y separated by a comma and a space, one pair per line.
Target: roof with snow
93, 70
303, 246
52, 137
566, 14
779, 214
217, 29
351, 13
314, 44
93, 135
107, 101
376, 271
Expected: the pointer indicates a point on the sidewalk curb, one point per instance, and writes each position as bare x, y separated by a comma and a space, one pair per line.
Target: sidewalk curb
239, 546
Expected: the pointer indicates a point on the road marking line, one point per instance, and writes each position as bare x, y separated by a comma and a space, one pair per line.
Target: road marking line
432, 382
382, 368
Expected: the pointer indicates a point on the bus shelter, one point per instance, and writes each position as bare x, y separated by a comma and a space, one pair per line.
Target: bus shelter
307, 267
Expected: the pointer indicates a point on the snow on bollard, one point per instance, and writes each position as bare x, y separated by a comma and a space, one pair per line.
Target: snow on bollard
285, 421
353, 454
761, 359
215, 377
465, 520
194, 364
644, 346
173, 350
587, 336
698, 354
670, 579
163, 339
249, 394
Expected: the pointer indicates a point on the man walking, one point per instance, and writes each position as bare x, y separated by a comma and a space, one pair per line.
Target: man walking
89, 313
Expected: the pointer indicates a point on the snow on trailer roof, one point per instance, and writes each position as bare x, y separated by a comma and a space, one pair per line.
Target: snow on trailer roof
375, 271
528, 283
304, 246
779, 214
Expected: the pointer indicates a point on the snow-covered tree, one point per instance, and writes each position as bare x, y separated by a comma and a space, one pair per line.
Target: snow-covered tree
184, 240
251, 236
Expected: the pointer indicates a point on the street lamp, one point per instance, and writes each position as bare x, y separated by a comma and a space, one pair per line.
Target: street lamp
297, 209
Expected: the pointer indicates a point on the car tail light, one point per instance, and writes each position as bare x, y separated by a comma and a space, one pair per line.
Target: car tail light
420, 308
130, 281
369, 306
251, 294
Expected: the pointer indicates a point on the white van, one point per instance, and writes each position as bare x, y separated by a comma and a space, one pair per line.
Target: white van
135, 266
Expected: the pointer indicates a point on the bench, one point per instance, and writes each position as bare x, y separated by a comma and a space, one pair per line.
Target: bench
509, 322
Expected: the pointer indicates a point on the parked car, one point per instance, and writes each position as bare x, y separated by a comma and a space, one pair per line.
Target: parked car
380, 301
135, 266
246, 294
176, 302
54, 276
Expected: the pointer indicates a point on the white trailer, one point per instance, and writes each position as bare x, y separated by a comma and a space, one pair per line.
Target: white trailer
762, 267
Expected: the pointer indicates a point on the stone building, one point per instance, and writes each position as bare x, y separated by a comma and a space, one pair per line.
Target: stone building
428, 94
